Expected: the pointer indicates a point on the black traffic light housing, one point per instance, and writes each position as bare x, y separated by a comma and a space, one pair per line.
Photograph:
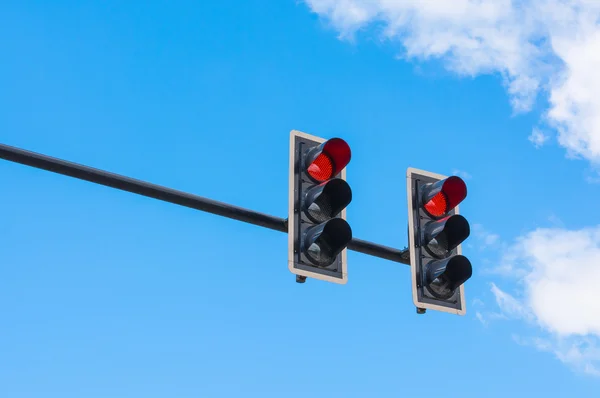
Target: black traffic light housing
436, 231
318, 196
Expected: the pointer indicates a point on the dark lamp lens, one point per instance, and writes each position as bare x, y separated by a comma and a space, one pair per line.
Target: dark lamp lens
321, 253
327, 200
441, 237
443, 277
324, 242
438, 246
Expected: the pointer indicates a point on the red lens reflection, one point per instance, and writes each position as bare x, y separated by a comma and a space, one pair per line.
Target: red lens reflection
437, 205
321, 169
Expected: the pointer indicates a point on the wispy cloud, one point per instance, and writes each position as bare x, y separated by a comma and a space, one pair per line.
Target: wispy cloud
550, 46
581, 354
487, 317
481, 319
483, 237
592, 176
538, 138
462, 174
478, 302
510, 306
555, 221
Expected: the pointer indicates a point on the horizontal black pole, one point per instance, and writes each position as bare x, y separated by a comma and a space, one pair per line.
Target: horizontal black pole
140, 187
373, 249
165, 194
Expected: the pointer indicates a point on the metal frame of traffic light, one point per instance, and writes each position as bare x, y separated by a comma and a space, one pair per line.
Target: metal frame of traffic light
318, 233
436, 231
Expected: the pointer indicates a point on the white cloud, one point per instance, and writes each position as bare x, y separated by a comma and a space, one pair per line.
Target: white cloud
549, 45
559, 275
538, 138
563, 275
557, 272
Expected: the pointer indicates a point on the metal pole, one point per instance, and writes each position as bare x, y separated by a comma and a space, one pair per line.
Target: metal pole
374, 249
140, 187
165, 194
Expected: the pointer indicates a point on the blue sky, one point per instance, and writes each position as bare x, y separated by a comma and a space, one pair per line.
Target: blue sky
104, 293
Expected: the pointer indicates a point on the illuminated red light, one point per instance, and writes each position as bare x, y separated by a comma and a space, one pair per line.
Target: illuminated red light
437, 205
328, 159
453, 190
321, 169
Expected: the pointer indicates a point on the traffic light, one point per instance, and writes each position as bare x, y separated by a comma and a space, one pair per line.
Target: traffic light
318, 196
435, 233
